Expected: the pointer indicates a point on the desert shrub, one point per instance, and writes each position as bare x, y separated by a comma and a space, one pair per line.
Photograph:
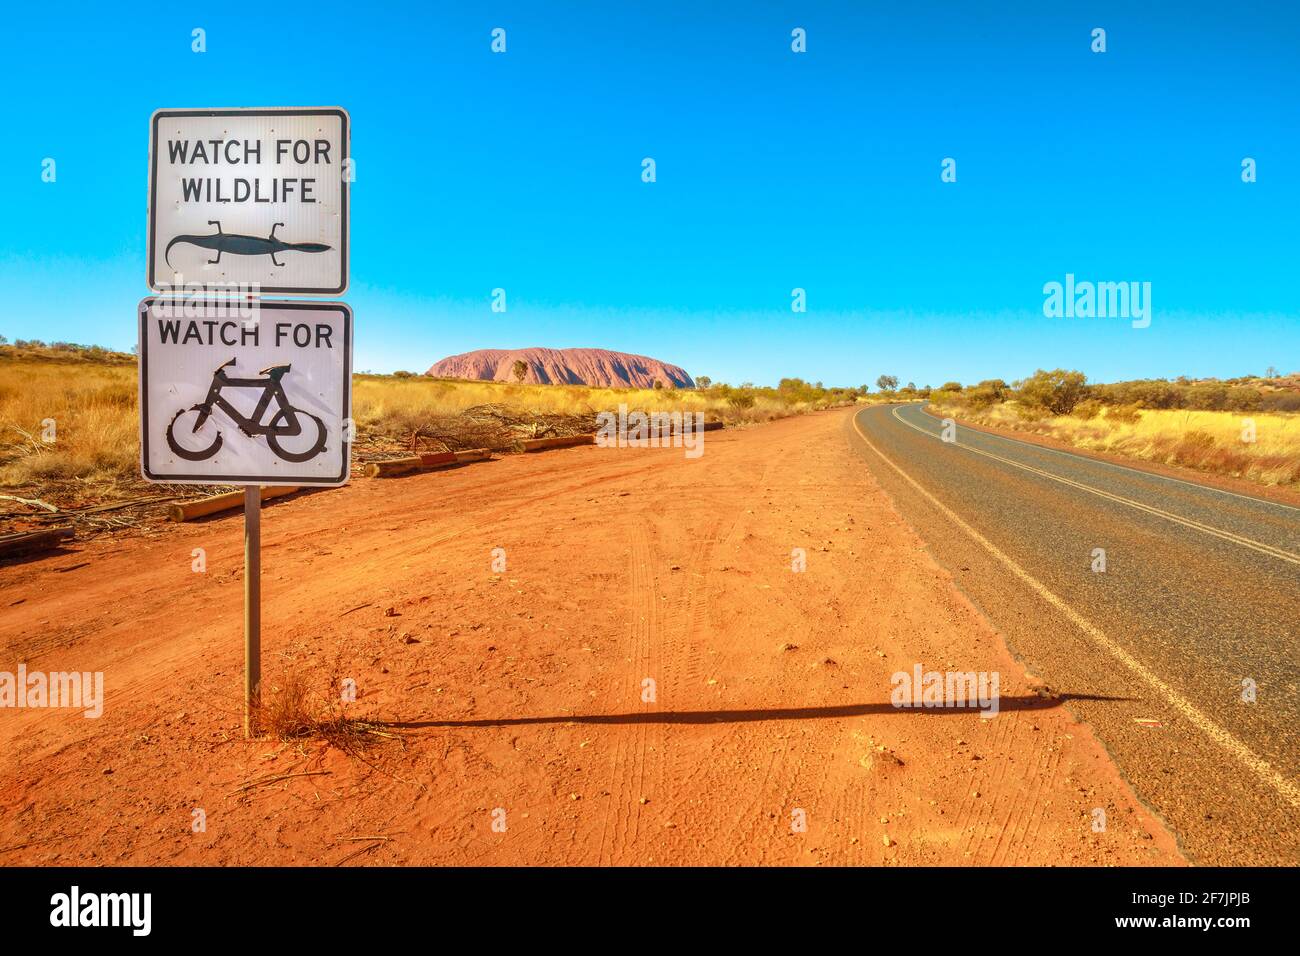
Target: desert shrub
1231, 394
1156, 394
1055, 392
1209, 397
1243, 398
287, 712
1029, 413
1088, 409
794, 391
1123, 414
1280, 402
291, 711
1193, 447
991, 391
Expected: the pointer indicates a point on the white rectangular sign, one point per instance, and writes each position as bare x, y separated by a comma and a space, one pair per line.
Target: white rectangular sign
252, 197
245, 392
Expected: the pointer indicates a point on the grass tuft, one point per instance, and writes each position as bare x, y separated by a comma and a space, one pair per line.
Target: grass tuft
290, 712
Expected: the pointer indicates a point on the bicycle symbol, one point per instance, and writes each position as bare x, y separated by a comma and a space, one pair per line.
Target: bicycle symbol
285, 424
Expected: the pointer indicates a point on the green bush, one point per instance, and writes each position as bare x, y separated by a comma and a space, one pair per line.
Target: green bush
1055, 392
1123, 414
1243, 398
1280, 402
1088, 409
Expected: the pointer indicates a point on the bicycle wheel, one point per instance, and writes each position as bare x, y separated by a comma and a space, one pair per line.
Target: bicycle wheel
198, 451
282, 416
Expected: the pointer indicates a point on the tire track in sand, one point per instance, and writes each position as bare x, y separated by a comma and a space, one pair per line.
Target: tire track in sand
621, 820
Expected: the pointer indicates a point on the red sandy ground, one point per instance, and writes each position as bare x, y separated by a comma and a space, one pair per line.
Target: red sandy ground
523, 691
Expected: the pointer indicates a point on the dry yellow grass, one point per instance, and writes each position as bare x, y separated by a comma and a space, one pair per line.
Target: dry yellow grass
93, 406
378, 400
89, 410
1203, 440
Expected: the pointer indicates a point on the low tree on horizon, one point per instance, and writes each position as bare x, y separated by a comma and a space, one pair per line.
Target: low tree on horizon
1057, 391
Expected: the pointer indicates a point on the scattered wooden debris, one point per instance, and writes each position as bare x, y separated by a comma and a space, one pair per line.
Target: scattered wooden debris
34, 502
201, 507
426, 462
21, 542
118, 505
276, 778
567, 441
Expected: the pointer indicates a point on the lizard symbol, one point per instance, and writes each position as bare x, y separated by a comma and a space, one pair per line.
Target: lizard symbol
244, 245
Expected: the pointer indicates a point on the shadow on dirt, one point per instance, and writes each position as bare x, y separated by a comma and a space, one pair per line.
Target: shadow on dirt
1026, 702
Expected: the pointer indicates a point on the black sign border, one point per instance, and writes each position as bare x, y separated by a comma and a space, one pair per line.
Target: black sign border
331, 482
341, 113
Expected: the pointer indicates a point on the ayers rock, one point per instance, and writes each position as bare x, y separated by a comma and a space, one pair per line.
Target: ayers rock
564, 367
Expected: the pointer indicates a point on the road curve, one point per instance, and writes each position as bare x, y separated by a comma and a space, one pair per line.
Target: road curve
1201, 591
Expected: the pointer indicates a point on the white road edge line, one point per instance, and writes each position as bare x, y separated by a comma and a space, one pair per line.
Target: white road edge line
1114, 464
1261, 767
1245, 542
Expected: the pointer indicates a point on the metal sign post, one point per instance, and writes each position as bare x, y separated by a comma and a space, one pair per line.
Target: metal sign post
252, 607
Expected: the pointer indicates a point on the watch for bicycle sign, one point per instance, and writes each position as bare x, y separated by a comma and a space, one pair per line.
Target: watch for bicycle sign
286, 423
245, 391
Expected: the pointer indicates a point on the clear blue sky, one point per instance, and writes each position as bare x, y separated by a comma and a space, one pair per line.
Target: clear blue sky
775, 170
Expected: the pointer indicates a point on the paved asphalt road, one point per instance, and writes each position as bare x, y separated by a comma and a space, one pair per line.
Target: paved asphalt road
1201, 591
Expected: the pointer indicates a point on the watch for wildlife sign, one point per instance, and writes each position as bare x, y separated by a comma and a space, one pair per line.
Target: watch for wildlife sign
245, 391
254, 200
